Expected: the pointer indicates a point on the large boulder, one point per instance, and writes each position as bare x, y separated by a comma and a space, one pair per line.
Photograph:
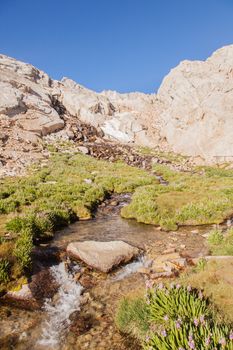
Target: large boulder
197, 107
103, 256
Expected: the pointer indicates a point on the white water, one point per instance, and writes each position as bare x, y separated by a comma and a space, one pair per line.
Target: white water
67, 301
131, 268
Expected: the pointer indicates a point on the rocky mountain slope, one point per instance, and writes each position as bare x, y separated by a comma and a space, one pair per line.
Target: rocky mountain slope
192, 113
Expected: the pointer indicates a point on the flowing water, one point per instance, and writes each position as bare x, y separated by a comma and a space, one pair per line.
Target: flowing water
58, 312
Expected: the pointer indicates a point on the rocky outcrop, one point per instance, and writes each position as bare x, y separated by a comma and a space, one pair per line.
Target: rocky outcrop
197, 107
103, 256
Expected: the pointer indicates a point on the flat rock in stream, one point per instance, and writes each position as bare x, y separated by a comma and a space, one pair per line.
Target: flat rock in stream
103, 256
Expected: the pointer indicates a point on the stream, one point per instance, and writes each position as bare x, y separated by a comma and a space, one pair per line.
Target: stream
80, 315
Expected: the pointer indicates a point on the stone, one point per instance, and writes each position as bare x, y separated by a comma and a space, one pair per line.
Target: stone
24, 293
103, 256
168, 262
83, 149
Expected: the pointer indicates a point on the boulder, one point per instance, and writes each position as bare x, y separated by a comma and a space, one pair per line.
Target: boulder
103, 256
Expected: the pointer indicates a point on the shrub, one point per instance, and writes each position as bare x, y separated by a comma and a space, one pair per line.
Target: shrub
23, 249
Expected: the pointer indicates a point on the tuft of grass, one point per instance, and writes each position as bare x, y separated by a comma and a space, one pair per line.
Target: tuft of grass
132, 317
23, 249
4, 270
221, 243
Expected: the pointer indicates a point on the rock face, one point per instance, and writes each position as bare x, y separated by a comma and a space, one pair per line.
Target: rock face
103, 256
192, 113
197, 107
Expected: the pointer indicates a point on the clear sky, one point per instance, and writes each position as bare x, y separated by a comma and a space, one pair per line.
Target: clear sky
123, 45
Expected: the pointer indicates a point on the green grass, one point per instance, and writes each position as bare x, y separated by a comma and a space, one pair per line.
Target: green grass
189, 199
221, 243
174, 317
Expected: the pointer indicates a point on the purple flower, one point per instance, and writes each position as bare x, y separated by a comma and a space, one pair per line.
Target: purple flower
222, 341
190, 337
200, 295
207, 341
196, 322
178, 286
191, 344
166, 318
178, 326
164, 333
202, 318
231, 335
149, 284
147, 338
160, 286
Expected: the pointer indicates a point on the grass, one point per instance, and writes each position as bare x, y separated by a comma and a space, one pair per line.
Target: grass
215, 278
189, 199
174, 317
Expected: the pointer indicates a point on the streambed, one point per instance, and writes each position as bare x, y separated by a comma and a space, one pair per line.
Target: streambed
83, 317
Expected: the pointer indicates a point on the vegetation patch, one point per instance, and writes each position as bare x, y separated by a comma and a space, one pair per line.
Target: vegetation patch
201, 197
174, 317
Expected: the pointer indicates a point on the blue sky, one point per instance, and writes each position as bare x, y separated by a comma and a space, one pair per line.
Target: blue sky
124, 45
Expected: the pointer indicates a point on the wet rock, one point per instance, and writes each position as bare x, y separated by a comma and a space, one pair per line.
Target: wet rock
168, 263
103, 256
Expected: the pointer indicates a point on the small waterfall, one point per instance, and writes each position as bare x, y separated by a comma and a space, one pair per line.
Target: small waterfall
58, 312
131, 268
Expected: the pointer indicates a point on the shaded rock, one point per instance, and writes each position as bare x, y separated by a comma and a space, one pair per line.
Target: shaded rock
103, 256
